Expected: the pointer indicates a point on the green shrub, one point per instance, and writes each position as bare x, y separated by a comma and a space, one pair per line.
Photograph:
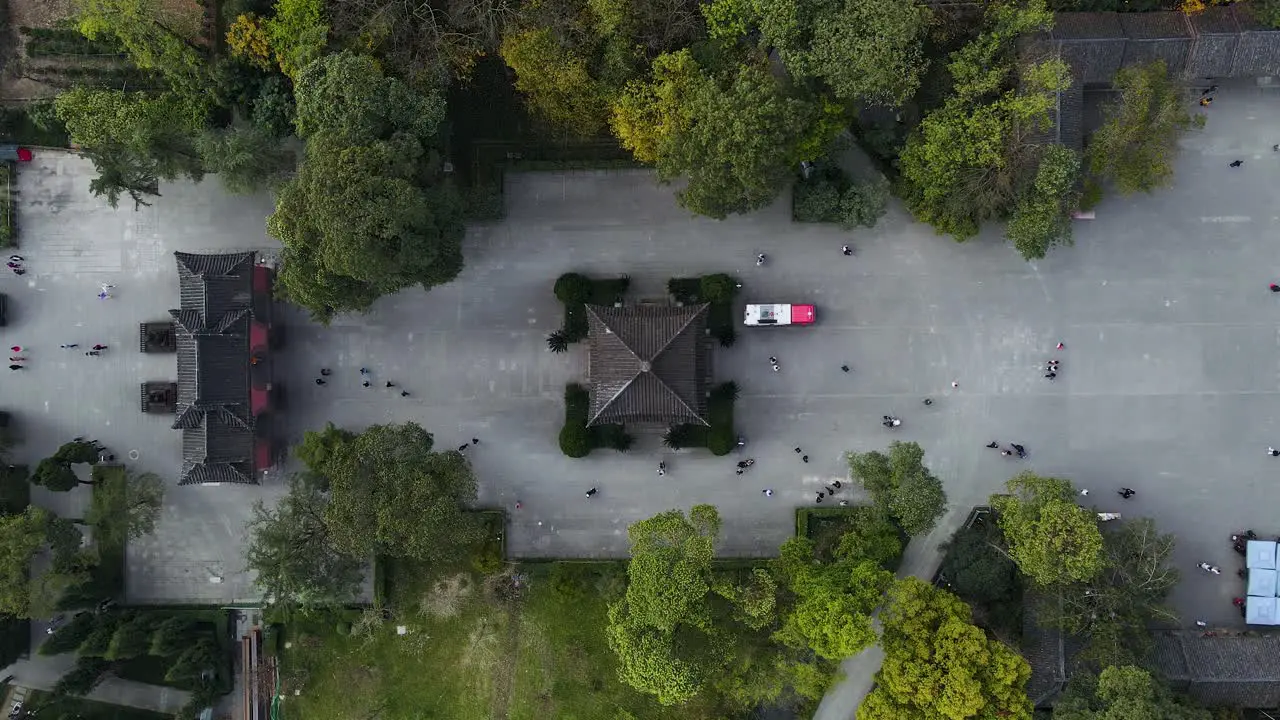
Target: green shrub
575, 441
1266, 12
718, 288
576, 327
573, 288
815, 200
676, 437
725, 391
614, 437
864, 203
570, 580
483, 203
1092, 194
343, 629
557, 342
721, 437
609, 291
685, 290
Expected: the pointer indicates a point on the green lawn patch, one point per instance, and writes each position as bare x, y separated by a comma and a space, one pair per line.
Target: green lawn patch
72, 707
526, 646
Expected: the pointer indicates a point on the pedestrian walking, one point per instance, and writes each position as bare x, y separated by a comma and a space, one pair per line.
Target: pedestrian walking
1273, 452
739, 471
320, 381
1021, 451
1127, 493
844, 503
16, 349
751, 461
1201, 623
12, 265
1006, 453
390, 384
19, 271
592, 492
776, 368
404, 393
742, 463
845, 368
846, 250
768, 492
1051, 375
773, 360
662, 468
798, 447
1085, 491
17, 359
759, 259
831, 489
955, 384
366, 383
68, 346
462, 447
1275, 148
99, 347
928, 401
1061, 346
519, 504
805, 458
1206, 101
993, 444
476, 441
364, 371
15, 367
1274, 287
325, 372
1236, 163
101, 296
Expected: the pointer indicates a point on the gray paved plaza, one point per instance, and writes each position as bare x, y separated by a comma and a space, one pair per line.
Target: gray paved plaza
1167, 382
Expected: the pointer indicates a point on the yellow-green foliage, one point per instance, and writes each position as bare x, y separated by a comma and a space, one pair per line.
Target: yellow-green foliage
248, 39
555, 82
298, 33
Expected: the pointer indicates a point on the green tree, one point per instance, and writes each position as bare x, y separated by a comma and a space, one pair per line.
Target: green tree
872, 537
1124, 692
390, 494
864, 203
127, 505
70, 635
132, 638
292, 553
1042, 217
977, 569
973, 158
662, 629
99, 639
865, 50
834, 602
901, 485
1138, 141
15, 488
195, 660
146, 33
21, 537
1130, 594
54, 475
368, 213
556, 82
134, 139
171, 636
83, 677
736, 135
1052, 539
938, 664
77, 451
246, 159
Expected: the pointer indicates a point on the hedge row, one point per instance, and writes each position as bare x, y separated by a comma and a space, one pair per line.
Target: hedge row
576, 291
720, 438
576, 439
718, 289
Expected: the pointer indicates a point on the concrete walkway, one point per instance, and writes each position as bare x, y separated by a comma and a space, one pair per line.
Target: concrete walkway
42, 673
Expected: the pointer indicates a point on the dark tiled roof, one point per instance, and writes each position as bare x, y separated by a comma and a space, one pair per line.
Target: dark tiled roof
1044, 650
648, 364
1221, 670
212, 335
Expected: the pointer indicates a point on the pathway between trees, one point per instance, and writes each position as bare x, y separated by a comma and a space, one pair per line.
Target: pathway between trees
921, 559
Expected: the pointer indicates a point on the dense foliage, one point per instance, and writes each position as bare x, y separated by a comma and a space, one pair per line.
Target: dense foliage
1053, 540
901, 485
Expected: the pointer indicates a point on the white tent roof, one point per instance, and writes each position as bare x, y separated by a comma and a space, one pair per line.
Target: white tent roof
1260, 611
1262, 582
1261, 554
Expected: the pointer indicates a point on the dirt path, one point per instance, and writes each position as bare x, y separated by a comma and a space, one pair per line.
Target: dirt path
504, 672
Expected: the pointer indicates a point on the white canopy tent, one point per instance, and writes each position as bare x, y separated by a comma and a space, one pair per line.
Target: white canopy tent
1260, 554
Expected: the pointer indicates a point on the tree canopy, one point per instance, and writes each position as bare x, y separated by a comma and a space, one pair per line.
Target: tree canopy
1138, 141
22, 535
134, 139
938, 664
390, 494
661, 630
292, 554
1123, 692
980, 155
736, 134
368, 213
1053, 540
129, 504
901, 485
833, 602
864, 50
1114, 609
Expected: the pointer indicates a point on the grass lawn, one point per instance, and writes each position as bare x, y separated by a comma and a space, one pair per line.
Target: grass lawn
469, 653
71, 707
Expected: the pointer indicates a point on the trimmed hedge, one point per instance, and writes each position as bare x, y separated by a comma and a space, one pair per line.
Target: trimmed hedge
719, 289
720, 438
576, 439
576, 291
